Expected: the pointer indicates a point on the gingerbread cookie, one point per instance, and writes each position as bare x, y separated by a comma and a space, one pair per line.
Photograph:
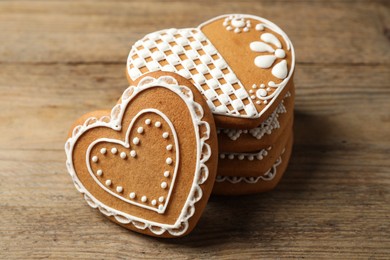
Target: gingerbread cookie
265, 181
149, 164
263, 136
242, 65
252, 163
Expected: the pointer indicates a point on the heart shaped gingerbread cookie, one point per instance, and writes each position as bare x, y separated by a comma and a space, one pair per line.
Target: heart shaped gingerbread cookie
242, 64
150, 164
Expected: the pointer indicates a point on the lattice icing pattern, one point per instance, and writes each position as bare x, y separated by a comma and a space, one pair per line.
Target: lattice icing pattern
189, 53
271, 123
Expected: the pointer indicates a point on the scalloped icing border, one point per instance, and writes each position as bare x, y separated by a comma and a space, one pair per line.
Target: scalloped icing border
114, 122
267, 176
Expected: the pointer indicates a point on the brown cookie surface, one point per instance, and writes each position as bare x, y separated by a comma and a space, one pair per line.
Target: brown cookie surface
150, 164
252, 163
265, 181
263, 136
225, 58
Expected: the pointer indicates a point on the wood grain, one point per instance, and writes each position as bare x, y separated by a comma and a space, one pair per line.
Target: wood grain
60, 59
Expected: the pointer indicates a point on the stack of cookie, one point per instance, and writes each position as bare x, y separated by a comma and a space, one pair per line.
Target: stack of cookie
208, 110
243, 65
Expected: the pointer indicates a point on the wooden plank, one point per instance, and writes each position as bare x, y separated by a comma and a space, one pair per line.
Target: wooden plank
322, 32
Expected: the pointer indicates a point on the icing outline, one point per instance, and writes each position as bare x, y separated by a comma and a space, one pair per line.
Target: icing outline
126, 144
114, 122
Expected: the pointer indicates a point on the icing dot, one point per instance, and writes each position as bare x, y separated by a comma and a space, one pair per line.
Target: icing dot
119, 189
133, 153
265, 101
140, 130
103, 151
157, 124
154, 202
114, 150
95, 159
231, 156
262, 86
251, 91
144, 199
250, 157
259, 157
160, 207
132, 195
108, 182
258, 102
238, 22
99, 172
135, 140
166, 174
161, 199
222, 156
123, 155
240, 157
280, 53
168, 160
169, 147
253, 97
165, 135
261, 93
148, 121
259, 27
164, 185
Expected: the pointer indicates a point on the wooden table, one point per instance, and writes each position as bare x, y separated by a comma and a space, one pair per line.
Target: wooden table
61, 59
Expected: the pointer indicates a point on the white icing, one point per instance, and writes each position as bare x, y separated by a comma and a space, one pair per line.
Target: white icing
237, 23
166, 174
133, 153
195, 194
280, 53
169, 147
123, 155
99, 172
148, 121
226, 106
161, 199
264, 61
165, 135
140, 130
280, 70
154, 202
119, 189
267, 176
136, 140
250, 156
261, 47
95, 158
266, 127
259, 27
164, 185
114, 150
261, 93
169, 160
132, 195
108, 182
103, 151
157, 124
270, 38
144, 199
